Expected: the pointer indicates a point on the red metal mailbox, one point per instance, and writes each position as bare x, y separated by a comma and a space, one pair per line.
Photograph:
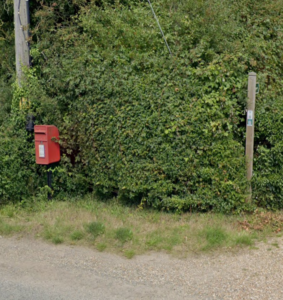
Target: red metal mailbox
47, 150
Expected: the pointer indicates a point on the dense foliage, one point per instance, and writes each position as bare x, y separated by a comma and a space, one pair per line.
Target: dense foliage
6, 59
167, 131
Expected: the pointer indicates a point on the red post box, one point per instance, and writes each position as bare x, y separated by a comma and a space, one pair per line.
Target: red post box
47, 150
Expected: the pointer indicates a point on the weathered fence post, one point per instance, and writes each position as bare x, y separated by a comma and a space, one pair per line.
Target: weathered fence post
250, 129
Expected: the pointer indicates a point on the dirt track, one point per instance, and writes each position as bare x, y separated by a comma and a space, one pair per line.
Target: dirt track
34, 270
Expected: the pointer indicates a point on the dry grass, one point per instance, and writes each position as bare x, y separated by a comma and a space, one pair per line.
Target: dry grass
116, 228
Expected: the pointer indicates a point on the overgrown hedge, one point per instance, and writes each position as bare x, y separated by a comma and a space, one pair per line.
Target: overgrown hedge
6, 60
167, 131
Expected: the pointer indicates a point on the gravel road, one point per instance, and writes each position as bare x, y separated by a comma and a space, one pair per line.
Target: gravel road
33, 270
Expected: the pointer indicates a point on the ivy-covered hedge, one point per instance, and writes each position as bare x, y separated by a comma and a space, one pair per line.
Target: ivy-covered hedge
164, 130
7, 70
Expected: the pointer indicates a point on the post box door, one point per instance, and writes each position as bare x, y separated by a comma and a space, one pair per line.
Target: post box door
53, 145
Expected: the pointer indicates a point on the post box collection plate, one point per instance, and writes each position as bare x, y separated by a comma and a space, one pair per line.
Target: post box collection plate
41, 151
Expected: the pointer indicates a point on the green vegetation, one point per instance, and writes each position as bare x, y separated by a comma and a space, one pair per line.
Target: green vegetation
95, 229
152, 129
129, 253
6, 229
123, 235
101, 247
7, 70
244, 240
57, 240
129, 231
214, 237
77, 235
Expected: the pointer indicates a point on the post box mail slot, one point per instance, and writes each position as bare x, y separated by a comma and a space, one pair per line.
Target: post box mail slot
47, 151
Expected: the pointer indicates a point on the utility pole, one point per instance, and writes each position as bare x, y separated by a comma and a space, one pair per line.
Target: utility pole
22, 24
250, 128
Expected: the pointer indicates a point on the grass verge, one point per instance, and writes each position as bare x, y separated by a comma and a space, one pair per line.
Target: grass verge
128, 231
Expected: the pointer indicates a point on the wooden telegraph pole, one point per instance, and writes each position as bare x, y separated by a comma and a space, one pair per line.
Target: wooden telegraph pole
22, 24
250, 128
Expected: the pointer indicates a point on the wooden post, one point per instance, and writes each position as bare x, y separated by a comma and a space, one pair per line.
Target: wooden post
22, 23
250, 127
